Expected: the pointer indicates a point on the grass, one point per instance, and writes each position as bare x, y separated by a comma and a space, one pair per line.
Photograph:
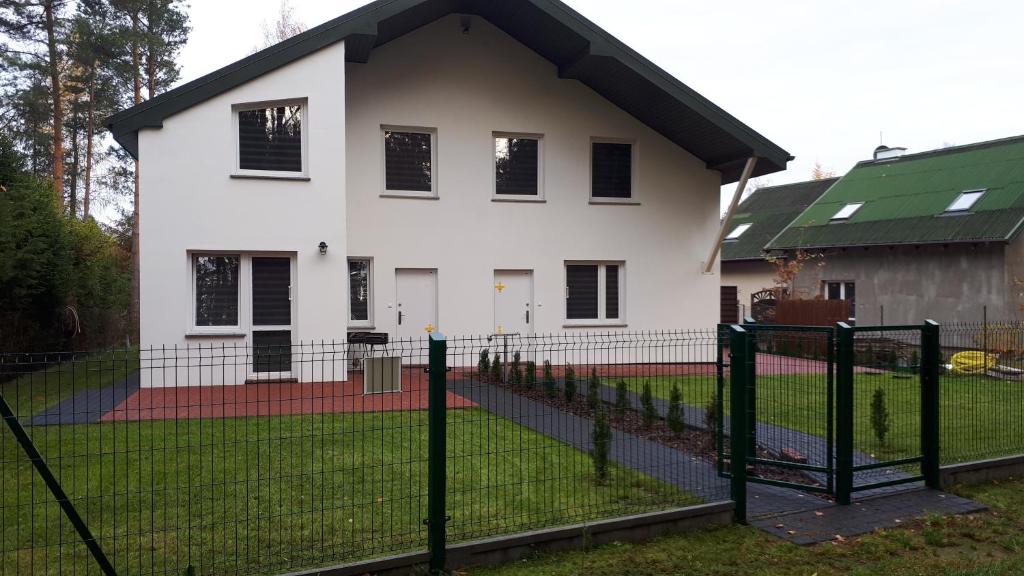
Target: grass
273, 494
984, 544
981, 417
29, 393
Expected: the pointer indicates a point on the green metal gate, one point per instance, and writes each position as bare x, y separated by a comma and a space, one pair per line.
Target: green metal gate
809, 407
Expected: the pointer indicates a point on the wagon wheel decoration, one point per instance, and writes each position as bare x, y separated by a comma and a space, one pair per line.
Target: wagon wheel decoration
762, 306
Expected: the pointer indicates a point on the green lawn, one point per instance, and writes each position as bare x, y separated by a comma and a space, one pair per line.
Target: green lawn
31, 392
278, 493
981, 417
986, 544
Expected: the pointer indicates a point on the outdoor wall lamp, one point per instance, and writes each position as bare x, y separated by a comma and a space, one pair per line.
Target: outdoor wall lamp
323, 248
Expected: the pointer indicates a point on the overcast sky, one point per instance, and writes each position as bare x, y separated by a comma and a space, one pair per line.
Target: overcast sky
821, 79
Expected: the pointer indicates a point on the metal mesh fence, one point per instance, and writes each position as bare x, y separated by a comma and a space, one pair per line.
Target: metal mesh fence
242, 460
982, 379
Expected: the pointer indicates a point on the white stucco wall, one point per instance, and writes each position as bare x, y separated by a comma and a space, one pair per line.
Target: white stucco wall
468, 86
190, 203
748, 277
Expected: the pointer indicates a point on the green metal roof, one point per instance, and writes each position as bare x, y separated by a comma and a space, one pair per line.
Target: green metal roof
581, 50
768, 211
905, 200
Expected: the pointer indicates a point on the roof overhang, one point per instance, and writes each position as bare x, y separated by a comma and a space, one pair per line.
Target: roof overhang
580, 49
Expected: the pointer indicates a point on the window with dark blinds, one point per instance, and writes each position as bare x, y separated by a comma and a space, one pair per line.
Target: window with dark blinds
216, 290
611, 291
272, 351
408, 161
516, 162
581, 287
270, 139
611, 170
359, 290
271, 302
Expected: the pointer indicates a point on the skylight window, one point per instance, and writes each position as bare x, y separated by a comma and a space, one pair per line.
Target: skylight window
847, 211
738, 231
965, 201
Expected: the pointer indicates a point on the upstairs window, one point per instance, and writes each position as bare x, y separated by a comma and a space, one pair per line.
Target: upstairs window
965, 201
847, 212
593, 293
611, 167
271, 140
216, 284
738, 231
517, 166
409, 162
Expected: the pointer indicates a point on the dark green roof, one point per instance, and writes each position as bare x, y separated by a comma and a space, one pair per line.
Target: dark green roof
581, 50
905, 200
769, 210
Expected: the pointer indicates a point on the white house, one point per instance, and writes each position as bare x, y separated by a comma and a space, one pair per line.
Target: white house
416, 165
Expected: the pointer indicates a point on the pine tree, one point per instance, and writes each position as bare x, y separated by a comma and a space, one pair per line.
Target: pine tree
531, 374
675, 410
711, 413
622, 403
601, 437
570, 384
515, 373
879, 415
549, 380
483, 365
649, 412
593, 389
497, 372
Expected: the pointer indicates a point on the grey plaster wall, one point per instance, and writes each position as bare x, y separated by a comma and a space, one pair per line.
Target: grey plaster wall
952, 283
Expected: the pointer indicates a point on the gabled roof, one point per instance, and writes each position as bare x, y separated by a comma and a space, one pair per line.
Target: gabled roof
579, 48
768, 211
905, 200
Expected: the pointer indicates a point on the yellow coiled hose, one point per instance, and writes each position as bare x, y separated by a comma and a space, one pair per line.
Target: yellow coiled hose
973, 362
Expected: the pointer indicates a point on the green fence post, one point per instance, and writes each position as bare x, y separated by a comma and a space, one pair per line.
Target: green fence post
738, 359
751, 405
931, 357
437, 453
720, 338
844, 412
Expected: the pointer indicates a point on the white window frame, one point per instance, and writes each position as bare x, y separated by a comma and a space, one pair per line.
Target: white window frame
495, 197
385, 193
842, 292
368, 323
980, 192
633, 172
856, 208
602, 300
236, 330
739, 230
271, 174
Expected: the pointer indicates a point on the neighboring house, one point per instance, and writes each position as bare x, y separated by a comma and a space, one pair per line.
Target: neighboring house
405, 168
758, 219
907, 237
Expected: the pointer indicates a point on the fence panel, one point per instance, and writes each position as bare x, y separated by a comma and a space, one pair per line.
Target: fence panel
982, 390
176, 464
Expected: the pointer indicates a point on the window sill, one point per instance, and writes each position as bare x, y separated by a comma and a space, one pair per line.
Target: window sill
410, 196
270, 177
365, 328
594, 324
614, 201
521, 199
229, 333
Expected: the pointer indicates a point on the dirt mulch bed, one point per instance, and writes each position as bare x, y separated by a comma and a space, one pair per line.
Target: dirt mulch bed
698, 442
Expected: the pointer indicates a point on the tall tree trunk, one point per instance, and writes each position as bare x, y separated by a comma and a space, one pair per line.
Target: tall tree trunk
58, 103
89, 133
133, 308
75, 148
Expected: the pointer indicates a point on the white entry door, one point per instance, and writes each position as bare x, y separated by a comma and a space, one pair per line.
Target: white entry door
416, 302
513, 302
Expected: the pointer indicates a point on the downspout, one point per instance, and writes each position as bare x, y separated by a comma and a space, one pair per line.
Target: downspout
709, 264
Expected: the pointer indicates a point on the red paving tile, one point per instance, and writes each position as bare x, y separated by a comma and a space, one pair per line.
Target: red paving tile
272, 400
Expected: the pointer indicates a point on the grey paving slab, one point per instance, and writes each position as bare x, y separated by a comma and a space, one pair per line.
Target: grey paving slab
87, 406
864, 516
